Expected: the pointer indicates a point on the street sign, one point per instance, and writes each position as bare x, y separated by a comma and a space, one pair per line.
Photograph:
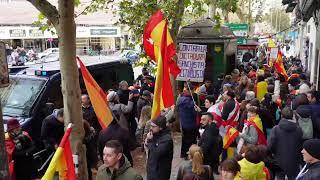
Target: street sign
239, 29
241, 41
4, 73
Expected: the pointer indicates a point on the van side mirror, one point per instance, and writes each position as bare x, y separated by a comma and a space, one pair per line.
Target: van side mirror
49, 108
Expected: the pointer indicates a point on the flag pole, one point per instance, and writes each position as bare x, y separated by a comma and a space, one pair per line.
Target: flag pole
194, 102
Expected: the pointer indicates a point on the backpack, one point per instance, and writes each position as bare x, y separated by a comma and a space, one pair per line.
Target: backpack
306, 126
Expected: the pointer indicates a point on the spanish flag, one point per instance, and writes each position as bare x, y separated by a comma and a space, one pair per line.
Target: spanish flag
97, 96
279, 67
62, 161
159, 46
230, 136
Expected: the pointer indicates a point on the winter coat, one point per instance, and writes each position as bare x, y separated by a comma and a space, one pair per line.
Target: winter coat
228, 107
315, 117
90, 116
313, 172
140, 104
261, 90
115, 132
123, 96
52, 131
160, 155
187, 112
123, 111
251, 171
211, 145
125, 172
185, 171
285, 142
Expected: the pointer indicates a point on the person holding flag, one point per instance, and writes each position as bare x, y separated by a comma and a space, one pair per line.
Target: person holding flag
252, 132
62, 161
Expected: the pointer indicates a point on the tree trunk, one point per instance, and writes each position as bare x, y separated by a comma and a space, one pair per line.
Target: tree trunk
70, 81
177, 19
4, 168
212, 10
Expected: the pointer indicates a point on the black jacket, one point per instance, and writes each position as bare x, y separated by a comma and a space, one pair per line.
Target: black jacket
313, 172
211, 145
185, 172
123, 96
140, 104
115, 132
22, 157
52, 131
90, 116
228, 108
285, 142
160, 156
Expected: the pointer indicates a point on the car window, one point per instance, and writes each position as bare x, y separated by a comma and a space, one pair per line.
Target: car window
19, 96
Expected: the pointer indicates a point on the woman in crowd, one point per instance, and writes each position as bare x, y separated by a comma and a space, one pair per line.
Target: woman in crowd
194, 168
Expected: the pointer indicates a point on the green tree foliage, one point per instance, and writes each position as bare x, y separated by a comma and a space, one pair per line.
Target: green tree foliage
278, 19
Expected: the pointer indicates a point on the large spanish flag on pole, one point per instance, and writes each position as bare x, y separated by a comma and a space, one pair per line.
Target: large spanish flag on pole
62, 161
279, 67
97, 96
159, 46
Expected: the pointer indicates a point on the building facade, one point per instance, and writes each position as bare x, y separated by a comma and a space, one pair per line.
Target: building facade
95, 32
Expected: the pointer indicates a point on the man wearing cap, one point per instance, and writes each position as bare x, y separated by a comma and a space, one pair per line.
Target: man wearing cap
311, 155
160, 150
20, 150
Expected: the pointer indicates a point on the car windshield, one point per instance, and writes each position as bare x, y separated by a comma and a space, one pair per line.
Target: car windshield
18, 98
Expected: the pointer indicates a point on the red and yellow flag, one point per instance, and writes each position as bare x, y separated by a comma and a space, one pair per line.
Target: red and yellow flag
230, 136
159, 46
62, 161
279, 67
97, 96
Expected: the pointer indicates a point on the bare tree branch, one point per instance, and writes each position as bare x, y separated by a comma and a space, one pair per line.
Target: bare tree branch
47, 9
85, 9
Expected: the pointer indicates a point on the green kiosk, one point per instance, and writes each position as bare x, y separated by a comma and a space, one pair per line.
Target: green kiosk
221, 46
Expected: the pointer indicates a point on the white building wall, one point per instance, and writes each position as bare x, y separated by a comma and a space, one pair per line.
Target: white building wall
313, 34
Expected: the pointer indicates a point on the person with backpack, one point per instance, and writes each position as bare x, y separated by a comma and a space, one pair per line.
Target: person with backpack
285, 142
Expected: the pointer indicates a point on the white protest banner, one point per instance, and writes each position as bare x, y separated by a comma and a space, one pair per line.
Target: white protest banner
273, 53
192, 62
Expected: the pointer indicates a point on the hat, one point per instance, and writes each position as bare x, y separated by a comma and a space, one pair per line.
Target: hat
12, 124
135, 91
160, 121
312, 146
146, 93
111, 96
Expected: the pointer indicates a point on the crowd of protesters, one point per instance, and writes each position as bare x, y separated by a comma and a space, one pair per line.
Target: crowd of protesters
253, 124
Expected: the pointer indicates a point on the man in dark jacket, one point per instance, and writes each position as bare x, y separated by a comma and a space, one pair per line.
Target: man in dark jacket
144, 100
88, 113
188, 115
123, 92
210, 141
52, 129
115, 132
285, 143
160, 150
314, 100
311, 155
229, 107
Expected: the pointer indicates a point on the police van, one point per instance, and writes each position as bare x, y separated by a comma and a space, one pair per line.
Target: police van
35, 90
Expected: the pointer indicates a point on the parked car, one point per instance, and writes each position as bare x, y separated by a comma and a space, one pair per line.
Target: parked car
47, 52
